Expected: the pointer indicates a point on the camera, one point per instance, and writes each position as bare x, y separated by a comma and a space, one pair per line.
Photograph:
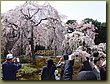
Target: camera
95, 54
77, 53
16, 60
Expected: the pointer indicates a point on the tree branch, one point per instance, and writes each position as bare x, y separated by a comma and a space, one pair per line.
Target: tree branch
13, 25
40, 21
35, 12
26, 16
29, 12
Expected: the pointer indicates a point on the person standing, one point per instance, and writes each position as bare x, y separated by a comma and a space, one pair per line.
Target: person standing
86, 75
68, 68
48, 71
10, 68
86, 72
62, 64
96, 69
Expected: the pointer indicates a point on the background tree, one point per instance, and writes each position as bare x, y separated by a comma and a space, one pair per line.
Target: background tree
29, 26
101, 31
89, 31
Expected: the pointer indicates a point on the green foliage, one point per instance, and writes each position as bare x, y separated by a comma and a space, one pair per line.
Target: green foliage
101, 37
24, 59
95, 22
101, 30
70, 21
56, 60
32, 77
40, 62
2, 58
31, 72
45, 52
27, 70
39, 47
77, 65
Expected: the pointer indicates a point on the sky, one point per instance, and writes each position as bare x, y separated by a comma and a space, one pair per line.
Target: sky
74, 10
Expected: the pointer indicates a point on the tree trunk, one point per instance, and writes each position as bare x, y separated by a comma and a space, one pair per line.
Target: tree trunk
32, 46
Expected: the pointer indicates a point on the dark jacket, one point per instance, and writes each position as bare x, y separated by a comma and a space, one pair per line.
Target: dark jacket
86, 66
97, 73
48, 71
103, 73
9, 70
68, 70
86, 75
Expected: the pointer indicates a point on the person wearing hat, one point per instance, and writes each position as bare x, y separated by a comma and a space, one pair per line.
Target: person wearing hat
9, 68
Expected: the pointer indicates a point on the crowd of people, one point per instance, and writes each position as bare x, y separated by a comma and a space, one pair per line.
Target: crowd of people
94, 69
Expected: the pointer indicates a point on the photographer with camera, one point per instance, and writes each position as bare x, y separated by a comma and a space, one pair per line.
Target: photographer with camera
61, 64
86, 65
10, 67
86, 72
68, 67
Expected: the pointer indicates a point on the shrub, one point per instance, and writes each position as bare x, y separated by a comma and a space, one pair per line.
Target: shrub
24, 59
2, 58
45, 52
27, 70
40, 62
